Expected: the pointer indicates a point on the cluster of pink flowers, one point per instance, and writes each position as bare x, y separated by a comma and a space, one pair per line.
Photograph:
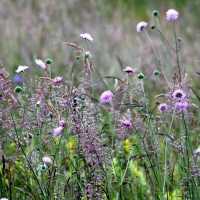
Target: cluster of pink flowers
179, 96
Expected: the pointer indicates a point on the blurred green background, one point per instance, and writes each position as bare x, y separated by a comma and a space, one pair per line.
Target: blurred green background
31, 29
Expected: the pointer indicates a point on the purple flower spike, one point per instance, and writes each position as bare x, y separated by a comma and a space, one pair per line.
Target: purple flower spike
106, 96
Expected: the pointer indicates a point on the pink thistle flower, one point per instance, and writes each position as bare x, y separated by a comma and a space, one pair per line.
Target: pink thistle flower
127, 123
62, 122
140, 26
57, 79
87, 36
129, 69
162, 107
40, 63
46, 159
172, 14
106, 96
21, 69
57, 131
182, 105
178, 95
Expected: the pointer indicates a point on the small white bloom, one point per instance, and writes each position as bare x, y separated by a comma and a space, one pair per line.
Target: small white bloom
21, 69
87, 36
172, 14
3, 199
46, 159
140, 26
40, 63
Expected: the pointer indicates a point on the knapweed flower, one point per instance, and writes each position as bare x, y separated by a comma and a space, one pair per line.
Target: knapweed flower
17, 79
106, 96
62, 122
129, 69
46, 159
87, 36
140, 26
182, 105
162, 107
40, 63
178, 95
57, 131
57, 79
127, 123
171, 14
21, 69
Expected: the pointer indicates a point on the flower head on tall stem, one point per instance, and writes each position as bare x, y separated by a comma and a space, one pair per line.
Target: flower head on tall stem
106, 96
57, 131
182, 105
178, 95
40, 63
87, 36
162, 107
21, 69
140, 26
127, 123
46, 159
57, 80
129, 69
17, 79
172, 14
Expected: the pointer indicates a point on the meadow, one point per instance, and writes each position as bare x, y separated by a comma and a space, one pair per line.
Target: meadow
99, 106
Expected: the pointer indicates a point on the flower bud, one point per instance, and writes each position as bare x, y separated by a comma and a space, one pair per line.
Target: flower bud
48, 61
156, 72
18, 89
155, 13
141, 76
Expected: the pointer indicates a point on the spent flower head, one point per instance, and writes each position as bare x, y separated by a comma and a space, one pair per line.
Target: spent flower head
172, 14
87, 36
87, 55
178, 95
57, 131
140, 26
162, 107
129, 69
106, 96
21, 69
40, 63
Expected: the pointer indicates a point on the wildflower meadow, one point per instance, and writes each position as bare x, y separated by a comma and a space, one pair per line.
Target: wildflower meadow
94, 134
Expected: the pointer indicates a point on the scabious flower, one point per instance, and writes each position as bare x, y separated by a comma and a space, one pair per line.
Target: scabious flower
182, 105
57, 131
40, 63
17, 79
129, 69
46, 159
106, 96
127, 123
171, 14
21, 69
178, 95
196, 152
87, 36
62, 122
140, 26
162, 107
57, 79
